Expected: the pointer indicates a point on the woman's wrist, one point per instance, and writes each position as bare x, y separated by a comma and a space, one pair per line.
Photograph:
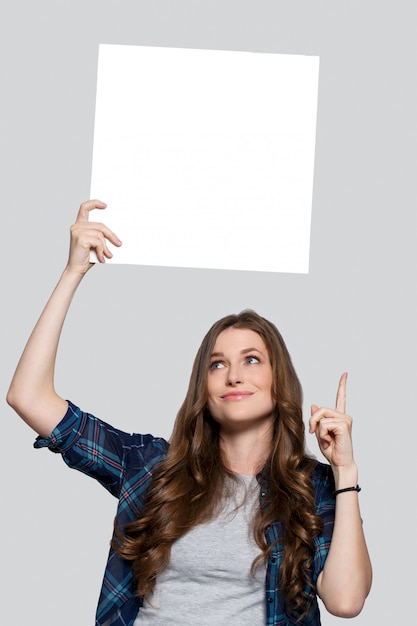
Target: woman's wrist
345, 476
72, 276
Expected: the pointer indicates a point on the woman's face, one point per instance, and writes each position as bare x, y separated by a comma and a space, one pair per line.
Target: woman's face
239, 384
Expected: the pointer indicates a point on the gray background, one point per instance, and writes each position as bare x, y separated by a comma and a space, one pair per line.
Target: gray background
132, 332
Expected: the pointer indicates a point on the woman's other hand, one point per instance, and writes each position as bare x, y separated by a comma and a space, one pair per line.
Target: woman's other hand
87, 236
333, 429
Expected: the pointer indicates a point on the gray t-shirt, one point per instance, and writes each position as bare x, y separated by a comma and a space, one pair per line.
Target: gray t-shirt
208, 580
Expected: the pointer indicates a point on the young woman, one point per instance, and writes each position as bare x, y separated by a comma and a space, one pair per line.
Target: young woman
231, 523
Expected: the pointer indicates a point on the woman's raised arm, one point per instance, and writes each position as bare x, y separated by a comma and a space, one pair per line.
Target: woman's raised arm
346, 579
32, 393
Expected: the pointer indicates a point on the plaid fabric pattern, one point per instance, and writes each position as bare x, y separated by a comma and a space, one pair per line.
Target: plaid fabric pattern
124, 465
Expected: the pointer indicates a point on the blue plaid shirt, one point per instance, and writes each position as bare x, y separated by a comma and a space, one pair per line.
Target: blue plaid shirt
124, 465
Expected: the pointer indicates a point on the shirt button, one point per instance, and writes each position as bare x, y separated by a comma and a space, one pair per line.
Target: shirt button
270, 600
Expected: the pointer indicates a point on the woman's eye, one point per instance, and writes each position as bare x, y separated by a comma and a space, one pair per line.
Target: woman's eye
216, 365
252, 359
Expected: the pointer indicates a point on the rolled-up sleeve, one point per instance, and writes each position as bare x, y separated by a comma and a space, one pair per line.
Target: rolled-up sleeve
89, 445
325, 507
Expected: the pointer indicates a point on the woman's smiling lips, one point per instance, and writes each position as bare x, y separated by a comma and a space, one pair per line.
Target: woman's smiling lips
236, 395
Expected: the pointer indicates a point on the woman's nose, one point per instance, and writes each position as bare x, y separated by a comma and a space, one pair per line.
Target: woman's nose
234, 376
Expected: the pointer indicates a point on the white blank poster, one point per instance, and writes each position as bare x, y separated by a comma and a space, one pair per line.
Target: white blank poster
206, 157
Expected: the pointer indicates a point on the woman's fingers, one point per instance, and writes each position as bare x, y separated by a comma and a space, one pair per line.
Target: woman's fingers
87, 236
333, 429
341, 394
319, 413
96, 231
87, 239
333, 433
88, 206
332, 417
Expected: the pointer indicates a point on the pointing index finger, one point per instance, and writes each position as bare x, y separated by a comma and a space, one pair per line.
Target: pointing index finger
341, 394
88, 206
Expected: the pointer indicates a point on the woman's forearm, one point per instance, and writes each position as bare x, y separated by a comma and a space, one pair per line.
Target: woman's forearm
346, 578
32, 393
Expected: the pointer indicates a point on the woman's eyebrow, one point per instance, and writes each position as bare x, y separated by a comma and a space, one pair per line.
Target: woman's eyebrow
244, 351
250, 350
216, 354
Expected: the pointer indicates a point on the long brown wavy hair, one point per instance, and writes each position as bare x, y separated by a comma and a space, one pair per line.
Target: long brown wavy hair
188, 484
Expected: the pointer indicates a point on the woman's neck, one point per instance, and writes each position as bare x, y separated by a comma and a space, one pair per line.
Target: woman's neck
246, 452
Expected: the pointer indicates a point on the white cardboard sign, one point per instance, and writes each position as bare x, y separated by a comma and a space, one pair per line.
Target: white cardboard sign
205, 158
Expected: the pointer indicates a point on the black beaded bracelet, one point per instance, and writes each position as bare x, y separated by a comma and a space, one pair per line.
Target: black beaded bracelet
355, 488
